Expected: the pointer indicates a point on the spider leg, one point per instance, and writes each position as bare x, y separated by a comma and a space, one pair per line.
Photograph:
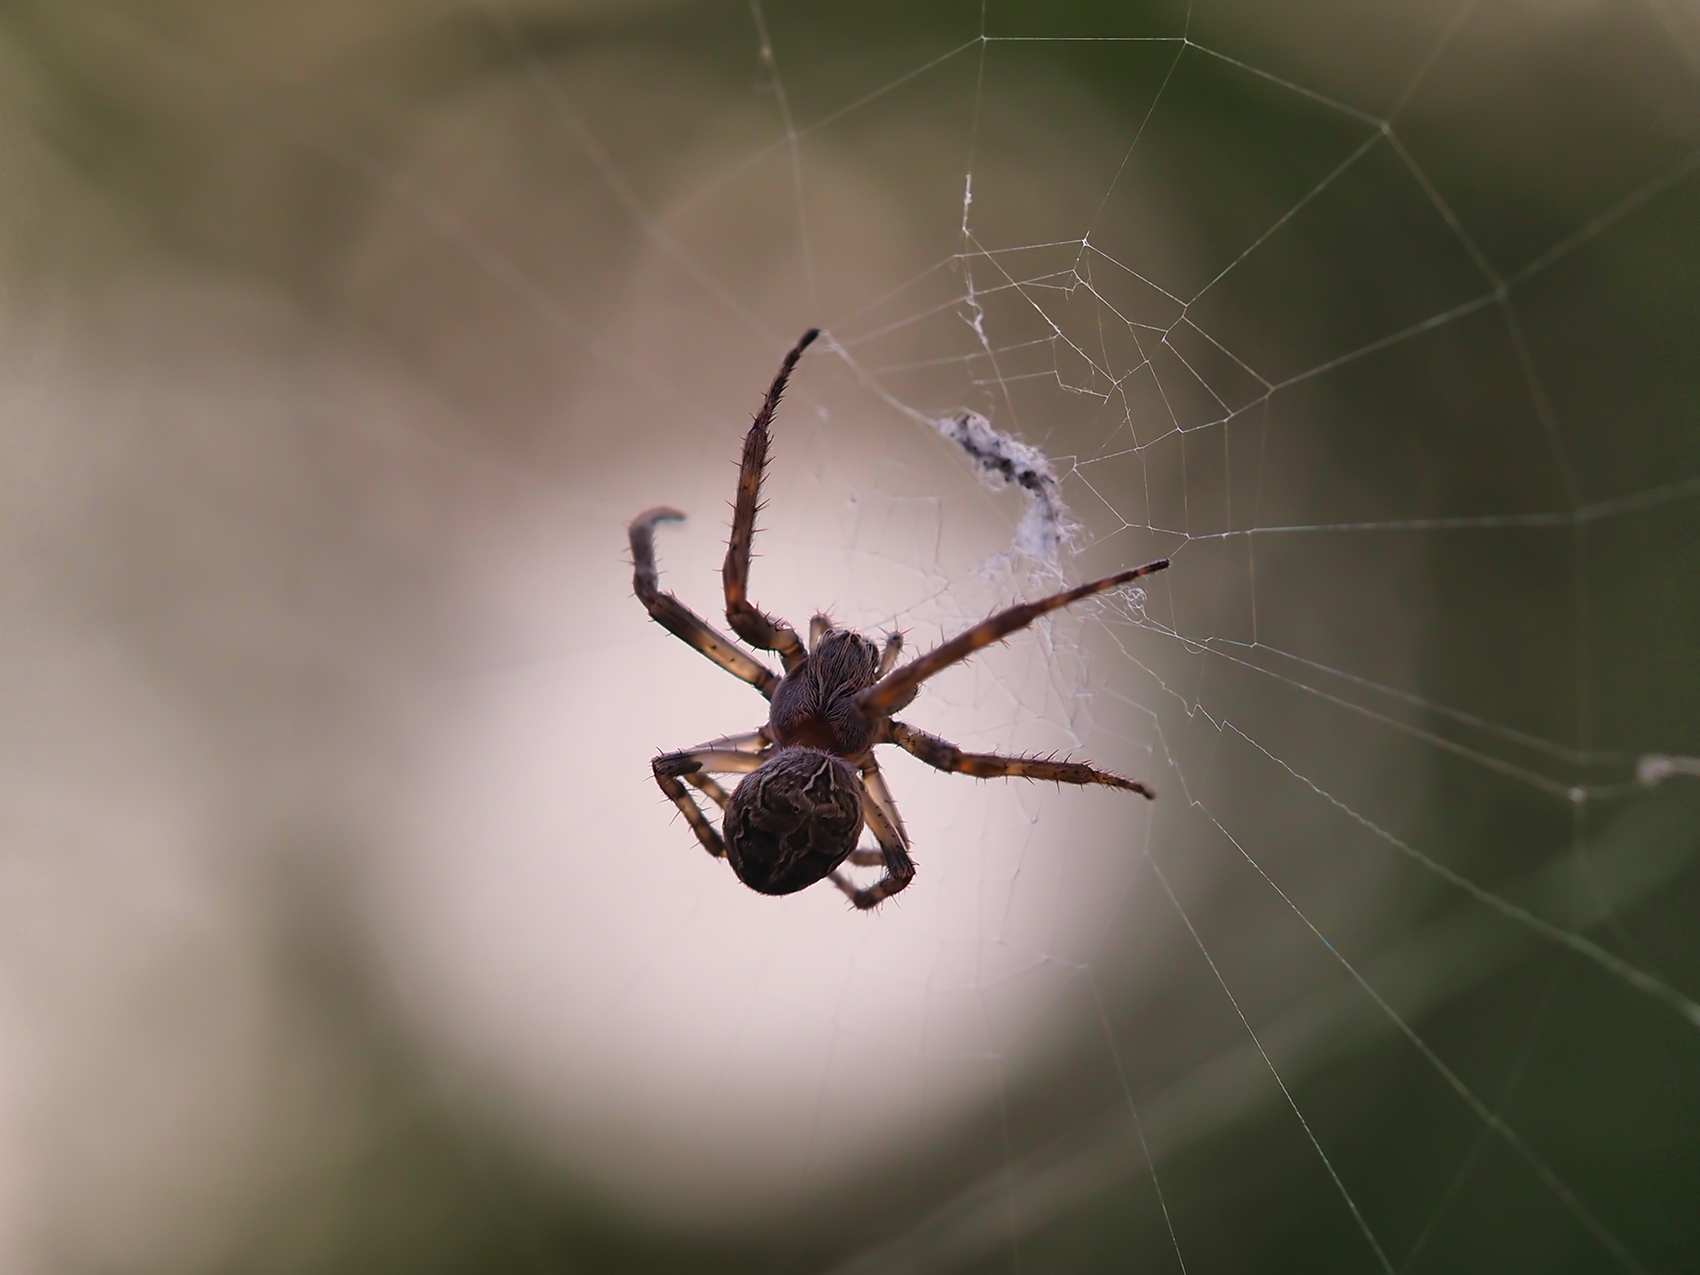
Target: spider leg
747, 620
874, 782
894, 691
706, 832
678, 619
881, 815
693, 767
713, 791
941, 754
752, 741
818, 625
888, 657
711, 761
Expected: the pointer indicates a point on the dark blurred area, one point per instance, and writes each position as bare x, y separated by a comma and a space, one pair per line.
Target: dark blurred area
339, 341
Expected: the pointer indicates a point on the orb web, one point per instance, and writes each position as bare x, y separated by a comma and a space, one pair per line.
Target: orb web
1376, 325
1255, 318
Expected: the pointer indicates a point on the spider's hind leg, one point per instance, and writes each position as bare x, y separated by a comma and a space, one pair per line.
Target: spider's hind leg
710, 789
733, 755
706, 832
882, 818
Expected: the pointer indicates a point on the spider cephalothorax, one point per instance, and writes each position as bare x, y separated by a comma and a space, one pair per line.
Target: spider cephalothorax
814, 705
810, 778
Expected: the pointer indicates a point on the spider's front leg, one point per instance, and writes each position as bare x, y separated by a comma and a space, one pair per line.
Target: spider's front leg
747, 620
677, 618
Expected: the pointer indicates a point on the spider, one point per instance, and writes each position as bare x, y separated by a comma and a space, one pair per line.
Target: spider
810, 779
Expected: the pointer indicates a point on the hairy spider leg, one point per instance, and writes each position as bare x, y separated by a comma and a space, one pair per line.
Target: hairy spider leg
678, 619
888, 657
706, 832
710, 761
710, 789
943, 755
874, 782
896, 690
693, 766
861, 858
880, 814
751, 741
818, 626
748, 621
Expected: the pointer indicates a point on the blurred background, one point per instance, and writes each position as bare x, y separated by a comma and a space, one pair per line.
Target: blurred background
343, 926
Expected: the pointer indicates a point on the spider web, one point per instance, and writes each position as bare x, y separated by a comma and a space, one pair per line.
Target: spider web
1375, 324
1268, 323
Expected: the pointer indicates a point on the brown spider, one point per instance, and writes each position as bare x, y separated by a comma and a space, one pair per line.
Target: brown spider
810, 778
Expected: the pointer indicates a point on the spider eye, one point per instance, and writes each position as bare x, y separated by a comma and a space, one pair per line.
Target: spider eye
793, 820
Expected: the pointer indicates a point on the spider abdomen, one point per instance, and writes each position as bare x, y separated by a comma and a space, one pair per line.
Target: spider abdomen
793, 820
